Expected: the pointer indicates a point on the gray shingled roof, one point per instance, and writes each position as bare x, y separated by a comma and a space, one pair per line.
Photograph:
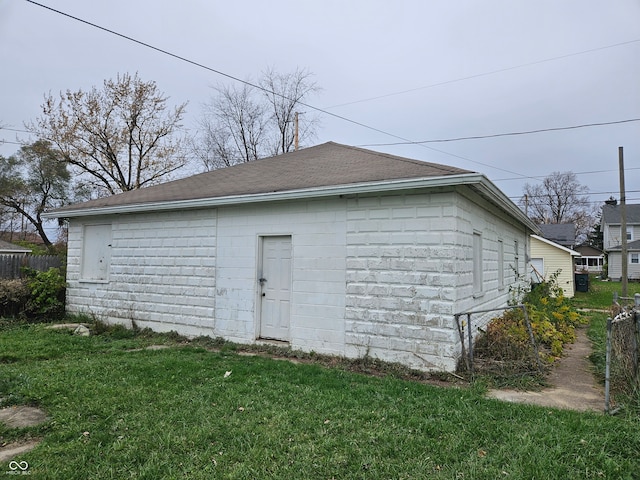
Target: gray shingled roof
6, 247
561, 233
635, 245
611, 214
328, 164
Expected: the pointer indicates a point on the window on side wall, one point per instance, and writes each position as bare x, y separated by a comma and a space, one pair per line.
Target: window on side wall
634, 258
500, 264
96, 253
477, 262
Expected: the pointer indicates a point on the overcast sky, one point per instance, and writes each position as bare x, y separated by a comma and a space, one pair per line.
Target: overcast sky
415, 69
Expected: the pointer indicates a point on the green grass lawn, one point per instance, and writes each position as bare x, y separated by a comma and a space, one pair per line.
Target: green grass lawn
172, 413
600, 294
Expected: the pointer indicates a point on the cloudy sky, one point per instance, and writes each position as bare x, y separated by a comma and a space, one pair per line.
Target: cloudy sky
411, 70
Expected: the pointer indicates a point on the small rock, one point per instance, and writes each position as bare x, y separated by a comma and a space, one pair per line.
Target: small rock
82, 331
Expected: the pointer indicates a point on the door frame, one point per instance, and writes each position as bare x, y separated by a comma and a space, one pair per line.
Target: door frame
258, 288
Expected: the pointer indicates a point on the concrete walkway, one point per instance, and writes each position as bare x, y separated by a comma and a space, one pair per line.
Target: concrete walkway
573, 385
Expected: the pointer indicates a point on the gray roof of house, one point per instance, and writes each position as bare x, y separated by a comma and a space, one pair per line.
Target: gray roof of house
588, 251
561, 233
6, 247
328, 164
329, 169
611, 214
631, 246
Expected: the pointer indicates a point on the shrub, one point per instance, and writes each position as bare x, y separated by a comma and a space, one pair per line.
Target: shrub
14, 295
552, 319
47, 294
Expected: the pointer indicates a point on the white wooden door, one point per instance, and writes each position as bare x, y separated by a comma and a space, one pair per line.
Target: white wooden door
275, 288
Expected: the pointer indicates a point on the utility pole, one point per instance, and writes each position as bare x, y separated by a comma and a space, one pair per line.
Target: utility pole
295, 132
623, 224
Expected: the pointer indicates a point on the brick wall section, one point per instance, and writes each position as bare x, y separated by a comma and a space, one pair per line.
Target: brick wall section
161, 275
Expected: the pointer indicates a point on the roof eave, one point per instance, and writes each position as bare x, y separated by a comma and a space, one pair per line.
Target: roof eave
477, 180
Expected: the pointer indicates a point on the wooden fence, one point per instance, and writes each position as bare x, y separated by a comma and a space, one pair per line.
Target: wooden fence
11, 265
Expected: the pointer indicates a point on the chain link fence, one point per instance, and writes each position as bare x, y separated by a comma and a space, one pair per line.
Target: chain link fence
622, 375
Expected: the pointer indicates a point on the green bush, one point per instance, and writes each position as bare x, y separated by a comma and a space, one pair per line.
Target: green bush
14, 295
38, 296
552, 319
47, 294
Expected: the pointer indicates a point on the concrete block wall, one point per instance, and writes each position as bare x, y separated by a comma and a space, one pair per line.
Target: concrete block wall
161, 272
410, 269
379, 275
402, 275
317, 230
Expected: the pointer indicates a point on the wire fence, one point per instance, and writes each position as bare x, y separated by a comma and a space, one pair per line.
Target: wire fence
11, 266
622, 372
483, 353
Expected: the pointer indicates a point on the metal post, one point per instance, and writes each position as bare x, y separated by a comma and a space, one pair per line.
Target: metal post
461, 333
607, 372
470, 349
532, 339
636, 348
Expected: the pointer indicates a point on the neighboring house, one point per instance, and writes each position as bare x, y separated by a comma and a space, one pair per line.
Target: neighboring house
591, 259
561, 233
332, 249
7, 248
612, 239
633, 257
547, 258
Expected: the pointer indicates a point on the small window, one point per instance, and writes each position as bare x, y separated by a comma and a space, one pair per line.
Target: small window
629, 234
477, 262
500, 264
96, 253
634, 258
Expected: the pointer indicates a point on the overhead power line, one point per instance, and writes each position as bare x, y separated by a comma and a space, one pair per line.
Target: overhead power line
320, 110
485, 74
205, 67
507, 134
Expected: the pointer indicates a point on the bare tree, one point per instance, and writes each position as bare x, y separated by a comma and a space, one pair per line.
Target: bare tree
284, 93
241, 124
34, 180
119, 138
234, 126
560, 198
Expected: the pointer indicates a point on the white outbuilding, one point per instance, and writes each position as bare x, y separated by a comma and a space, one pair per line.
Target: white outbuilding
332, 249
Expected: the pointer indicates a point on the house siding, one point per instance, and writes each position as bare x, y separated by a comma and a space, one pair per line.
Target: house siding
615, 266
379, 275
612, 236
556, 260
